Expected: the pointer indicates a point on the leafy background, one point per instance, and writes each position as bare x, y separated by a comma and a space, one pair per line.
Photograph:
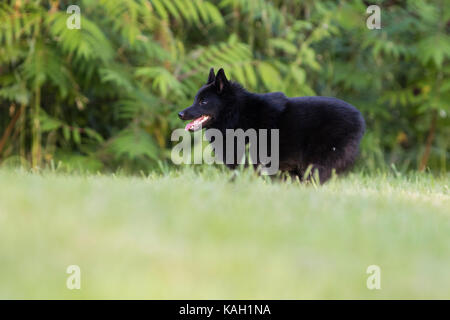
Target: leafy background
105, 97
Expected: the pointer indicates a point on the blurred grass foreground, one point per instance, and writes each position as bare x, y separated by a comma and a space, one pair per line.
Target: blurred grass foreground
200, 235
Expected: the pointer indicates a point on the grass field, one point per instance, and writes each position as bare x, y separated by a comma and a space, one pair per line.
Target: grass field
200, 235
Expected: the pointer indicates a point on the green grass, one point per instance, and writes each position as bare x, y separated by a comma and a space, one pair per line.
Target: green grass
199, 235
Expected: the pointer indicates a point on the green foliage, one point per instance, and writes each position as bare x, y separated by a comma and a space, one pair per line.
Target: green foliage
109, 91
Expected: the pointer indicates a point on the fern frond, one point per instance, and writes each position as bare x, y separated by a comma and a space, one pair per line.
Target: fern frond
134, 143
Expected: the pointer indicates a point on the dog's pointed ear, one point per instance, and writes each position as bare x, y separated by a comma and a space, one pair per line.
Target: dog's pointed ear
211, 77
221, 81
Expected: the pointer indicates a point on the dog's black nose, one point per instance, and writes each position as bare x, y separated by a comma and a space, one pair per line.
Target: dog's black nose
181, 115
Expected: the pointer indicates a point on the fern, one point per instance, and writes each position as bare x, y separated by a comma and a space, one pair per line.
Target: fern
134, 143
109, 92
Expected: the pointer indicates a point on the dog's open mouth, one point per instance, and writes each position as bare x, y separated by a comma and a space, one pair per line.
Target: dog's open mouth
197, 123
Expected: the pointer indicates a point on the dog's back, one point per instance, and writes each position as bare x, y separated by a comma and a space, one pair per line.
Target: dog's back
320, 131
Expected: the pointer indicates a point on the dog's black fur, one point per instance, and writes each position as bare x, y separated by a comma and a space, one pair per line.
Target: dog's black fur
322, 132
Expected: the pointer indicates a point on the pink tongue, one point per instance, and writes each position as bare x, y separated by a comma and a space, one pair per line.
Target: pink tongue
189, 125
194, 123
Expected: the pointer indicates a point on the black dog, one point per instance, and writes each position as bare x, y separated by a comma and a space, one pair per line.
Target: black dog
319, 133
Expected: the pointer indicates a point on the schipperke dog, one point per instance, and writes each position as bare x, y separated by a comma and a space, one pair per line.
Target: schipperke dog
315, 133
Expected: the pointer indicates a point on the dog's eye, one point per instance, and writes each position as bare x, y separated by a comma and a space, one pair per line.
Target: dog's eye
203, 102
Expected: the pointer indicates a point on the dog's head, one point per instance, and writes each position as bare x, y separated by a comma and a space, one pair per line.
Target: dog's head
209, 103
